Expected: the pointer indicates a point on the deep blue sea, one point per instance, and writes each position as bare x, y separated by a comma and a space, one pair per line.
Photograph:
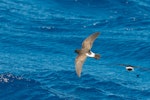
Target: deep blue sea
38, 39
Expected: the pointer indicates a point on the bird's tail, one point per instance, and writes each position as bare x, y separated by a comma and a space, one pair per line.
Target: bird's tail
97, 56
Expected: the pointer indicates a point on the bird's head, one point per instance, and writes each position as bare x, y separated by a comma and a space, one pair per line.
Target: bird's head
77, 51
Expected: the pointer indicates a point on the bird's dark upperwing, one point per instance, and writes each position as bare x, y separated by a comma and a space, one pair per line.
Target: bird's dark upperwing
124, 65
79, 63
127, 65
88, 42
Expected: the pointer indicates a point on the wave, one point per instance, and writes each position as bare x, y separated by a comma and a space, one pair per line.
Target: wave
8, 77
17, 87
36, 35
65, 84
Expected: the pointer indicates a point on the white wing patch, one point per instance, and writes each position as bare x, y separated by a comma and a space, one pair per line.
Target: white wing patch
90, 55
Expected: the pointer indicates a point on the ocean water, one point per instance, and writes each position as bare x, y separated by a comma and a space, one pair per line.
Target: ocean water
38, 39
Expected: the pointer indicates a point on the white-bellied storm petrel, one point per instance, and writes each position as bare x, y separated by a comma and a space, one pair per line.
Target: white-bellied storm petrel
131, 67
85, 52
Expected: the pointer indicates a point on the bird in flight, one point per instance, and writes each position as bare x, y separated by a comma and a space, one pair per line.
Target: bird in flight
128, 67
85, 52
131, 67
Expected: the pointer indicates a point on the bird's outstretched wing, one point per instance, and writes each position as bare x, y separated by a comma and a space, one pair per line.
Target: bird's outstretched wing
88, 42
145, 69
127, 65
79, 63
124, 65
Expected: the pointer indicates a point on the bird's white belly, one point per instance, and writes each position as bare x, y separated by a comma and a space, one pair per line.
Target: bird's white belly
131, 68
90, 55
